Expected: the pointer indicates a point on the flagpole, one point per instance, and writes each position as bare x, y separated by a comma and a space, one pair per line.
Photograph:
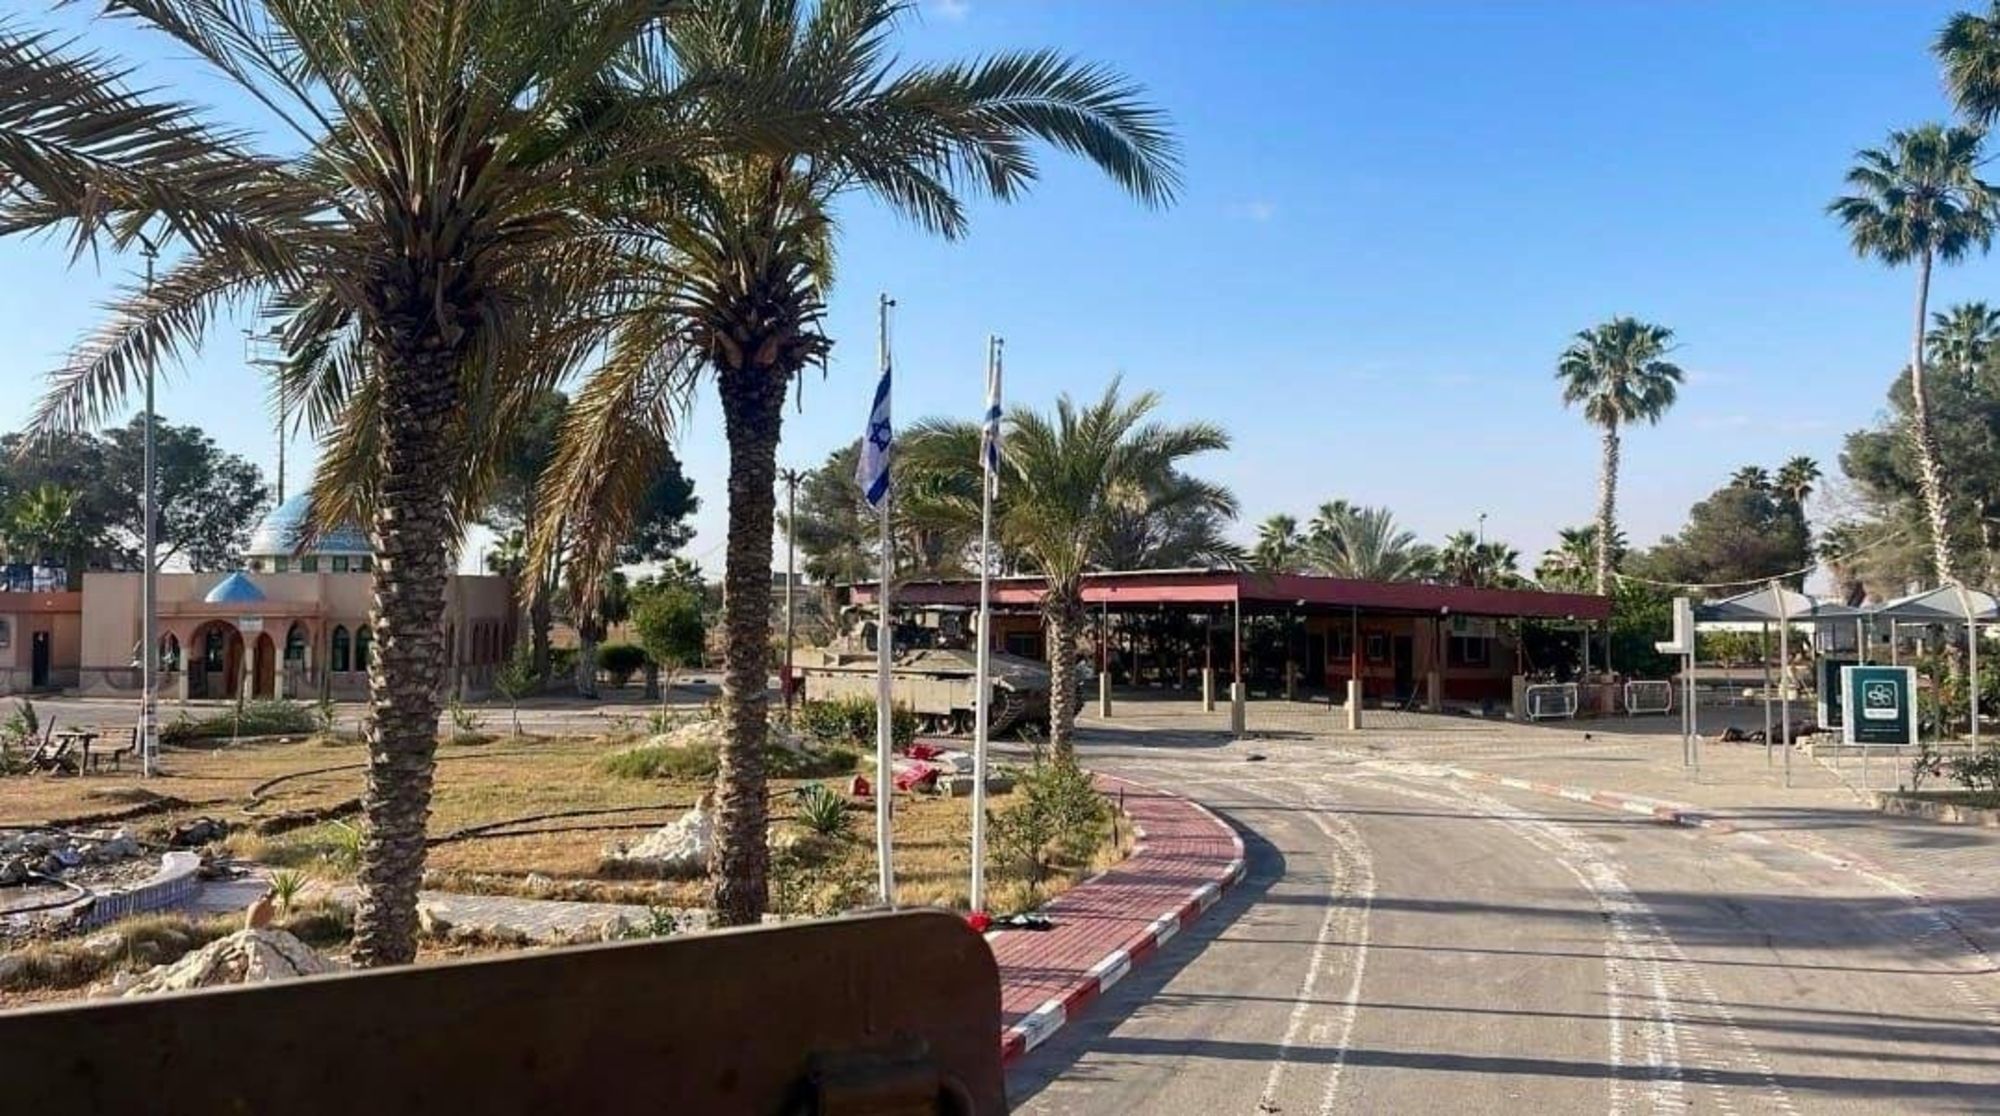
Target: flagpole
983, 687
885, 775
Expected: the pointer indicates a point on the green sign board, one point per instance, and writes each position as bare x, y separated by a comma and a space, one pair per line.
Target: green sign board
1878, 705
1830, 713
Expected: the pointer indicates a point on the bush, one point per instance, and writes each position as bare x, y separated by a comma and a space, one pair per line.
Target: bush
822, 810
620, 661
257, 718
852, 721
1057, 817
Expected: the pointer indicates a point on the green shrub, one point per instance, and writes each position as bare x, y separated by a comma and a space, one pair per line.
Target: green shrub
620, 661
1056, 817
822, 810
851, 721
256, 718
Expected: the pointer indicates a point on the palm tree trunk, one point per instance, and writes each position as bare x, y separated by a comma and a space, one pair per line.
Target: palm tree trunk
586, 662
1607, 508
1063, 614
540, 616
1929, 469
753, 400
412, 537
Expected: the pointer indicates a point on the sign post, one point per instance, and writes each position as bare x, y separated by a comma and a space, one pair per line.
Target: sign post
1683, 645
1878, 706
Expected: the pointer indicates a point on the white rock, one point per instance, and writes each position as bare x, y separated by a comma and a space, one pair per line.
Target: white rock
679, 847
105, 944
245, 957
432, 921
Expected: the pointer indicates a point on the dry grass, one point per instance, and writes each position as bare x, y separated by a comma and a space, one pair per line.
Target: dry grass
508, 779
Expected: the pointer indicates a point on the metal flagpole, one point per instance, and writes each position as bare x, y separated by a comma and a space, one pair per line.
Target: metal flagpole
1784, 676
989, 454
885, 775
149, 732
1764, 657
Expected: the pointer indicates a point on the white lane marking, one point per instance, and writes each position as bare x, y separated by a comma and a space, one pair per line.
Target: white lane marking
1353, 874
1682, 977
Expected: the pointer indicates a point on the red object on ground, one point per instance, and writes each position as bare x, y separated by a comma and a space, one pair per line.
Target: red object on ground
1184, 860
925, 751
979, 921
914, 775
858, 787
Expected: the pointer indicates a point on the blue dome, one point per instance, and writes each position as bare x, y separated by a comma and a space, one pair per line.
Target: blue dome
237, 588
282, 531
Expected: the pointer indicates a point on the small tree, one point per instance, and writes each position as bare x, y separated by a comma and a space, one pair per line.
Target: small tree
517, 678
669, 624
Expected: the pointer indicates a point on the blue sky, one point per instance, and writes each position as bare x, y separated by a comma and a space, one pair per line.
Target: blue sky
1395, 216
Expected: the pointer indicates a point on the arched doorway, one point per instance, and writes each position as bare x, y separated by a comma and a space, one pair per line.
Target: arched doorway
215, 660
297, 640
264, 667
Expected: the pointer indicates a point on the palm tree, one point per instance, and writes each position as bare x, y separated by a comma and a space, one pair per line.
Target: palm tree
1796, 480
1464, 560
1278, 544
1066, 480
1570, 563
41, 525
430, 217
727, 273
1367, 545
1753, 477
1619, 374
1920, 200
1962, 339
1969, 48
1181, 523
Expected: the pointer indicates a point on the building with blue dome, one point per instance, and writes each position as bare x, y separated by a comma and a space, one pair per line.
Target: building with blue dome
294, 622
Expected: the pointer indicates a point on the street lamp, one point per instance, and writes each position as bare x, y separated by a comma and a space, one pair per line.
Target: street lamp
149, 737
791, 477
1482, 528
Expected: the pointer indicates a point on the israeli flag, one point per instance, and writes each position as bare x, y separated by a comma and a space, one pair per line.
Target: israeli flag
872, 474
989, 432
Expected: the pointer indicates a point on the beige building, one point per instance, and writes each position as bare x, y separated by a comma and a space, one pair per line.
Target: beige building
294, 624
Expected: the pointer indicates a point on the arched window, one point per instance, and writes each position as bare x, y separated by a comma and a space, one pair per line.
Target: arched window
170, 652
295, 644
363, 639
214, 647
339, 664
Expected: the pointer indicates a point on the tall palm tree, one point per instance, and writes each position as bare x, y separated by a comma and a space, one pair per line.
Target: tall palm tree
1619, 373
1278, 544
1464, 560
1180, 523
1366, 544
1962, 339
1920, 200
429, 215
1066, 480
41, 524
726, 277
1969, 48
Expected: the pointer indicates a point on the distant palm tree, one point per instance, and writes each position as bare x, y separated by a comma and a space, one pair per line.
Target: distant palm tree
1366, 544
1620, 375
1796, 479
1180, 524
41, 526
1753, 477
1969, 48
1067, 479
1328, 518
1569, 564
1278, 544
1920, 200
1962, 339
1464, 560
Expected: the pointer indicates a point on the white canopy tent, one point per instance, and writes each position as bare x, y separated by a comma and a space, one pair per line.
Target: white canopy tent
1772, 604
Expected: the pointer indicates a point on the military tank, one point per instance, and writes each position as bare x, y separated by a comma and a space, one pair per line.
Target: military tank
933, 673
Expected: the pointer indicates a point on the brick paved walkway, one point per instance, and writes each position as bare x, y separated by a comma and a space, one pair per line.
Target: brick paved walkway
1186, 856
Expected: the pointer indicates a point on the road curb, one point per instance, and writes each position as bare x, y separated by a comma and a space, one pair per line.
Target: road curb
1044, 1021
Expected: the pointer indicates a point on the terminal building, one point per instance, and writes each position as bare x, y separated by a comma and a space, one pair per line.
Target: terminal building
1283, 634
293, 623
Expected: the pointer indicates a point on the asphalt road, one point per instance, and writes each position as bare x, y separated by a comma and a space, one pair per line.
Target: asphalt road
1406, 943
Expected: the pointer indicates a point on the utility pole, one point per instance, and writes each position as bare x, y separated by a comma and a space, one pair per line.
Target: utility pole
253, 355
1482, 528
791, 477
149, 738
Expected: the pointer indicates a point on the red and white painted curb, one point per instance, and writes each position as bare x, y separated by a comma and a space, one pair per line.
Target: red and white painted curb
1035, 1027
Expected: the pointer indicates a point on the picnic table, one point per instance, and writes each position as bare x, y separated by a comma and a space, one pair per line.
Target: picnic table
63, 751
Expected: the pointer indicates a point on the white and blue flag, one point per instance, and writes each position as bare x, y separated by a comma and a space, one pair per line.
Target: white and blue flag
989, 430
872, 474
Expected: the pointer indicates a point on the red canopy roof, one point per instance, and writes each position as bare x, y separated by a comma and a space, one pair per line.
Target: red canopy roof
1261, 592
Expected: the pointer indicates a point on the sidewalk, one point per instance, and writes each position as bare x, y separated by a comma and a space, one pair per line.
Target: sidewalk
1184, 859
